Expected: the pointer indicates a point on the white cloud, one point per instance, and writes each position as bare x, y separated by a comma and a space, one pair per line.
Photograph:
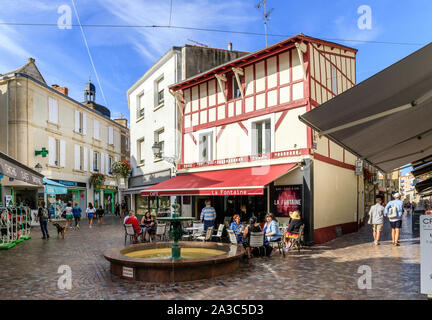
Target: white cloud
151, 43
347, 29
10, 44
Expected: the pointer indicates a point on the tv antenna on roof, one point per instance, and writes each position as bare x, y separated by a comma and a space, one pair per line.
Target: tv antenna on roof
266, 15
198, 43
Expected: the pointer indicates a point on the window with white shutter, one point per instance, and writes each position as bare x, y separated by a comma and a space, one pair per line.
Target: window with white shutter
261, 137
110, 135
51, 151
77, 121
91, 159
109, 165
77, 157
62, 153
96, 129
85, 156
84, 123
53, 110
96, 156
102, 163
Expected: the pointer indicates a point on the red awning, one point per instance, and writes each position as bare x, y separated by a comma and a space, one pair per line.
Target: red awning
234, 182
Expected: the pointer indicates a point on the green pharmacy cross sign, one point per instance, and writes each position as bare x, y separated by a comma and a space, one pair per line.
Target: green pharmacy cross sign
43, 152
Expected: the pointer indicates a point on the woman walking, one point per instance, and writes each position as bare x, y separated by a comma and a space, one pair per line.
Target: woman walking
77, 215
69, 214
117, 209
100, 213
90, 213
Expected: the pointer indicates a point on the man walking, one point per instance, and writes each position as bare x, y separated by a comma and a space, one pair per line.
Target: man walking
43, 216
394, 211
124, 208
376, 219
208, 215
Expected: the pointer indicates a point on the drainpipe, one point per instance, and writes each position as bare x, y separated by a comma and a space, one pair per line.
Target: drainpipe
7, 118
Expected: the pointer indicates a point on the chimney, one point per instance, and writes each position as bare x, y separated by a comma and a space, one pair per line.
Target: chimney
230, 46
122, 122
63, 90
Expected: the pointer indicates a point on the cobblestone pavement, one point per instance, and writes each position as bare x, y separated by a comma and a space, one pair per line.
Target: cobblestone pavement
329, 271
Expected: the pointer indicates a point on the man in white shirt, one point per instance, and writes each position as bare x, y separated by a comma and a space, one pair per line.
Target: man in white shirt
376, 219
125, 218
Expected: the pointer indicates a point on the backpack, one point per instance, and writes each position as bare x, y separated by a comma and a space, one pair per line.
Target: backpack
392, 212
45, 214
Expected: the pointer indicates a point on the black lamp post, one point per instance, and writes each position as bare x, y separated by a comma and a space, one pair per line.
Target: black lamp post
156, 150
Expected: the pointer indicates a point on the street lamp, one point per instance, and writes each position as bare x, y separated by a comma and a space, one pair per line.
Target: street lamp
156, 150
38, 167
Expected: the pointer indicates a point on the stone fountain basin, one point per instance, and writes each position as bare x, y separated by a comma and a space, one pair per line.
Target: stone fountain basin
174, 270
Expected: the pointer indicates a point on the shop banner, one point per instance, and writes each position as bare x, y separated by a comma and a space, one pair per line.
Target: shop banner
426, 254
15, 171
287, 199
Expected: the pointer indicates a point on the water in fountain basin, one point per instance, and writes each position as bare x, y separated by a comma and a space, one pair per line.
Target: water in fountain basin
165, 253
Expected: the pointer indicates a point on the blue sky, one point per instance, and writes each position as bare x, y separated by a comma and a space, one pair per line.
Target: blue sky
122, 55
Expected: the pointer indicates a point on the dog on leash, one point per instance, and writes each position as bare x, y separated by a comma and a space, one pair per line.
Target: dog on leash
60, 230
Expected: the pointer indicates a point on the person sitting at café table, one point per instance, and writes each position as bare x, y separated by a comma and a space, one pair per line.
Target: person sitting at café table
253, 226
237, 227
271, 231
149, 224
293, 229
135, 224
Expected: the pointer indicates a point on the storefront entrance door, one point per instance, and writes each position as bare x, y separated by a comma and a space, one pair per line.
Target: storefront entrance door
109, 197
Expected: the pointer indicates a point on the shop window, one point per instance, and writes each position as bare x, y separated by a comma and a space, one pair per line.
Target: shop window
141, 205
261, 137
206, 147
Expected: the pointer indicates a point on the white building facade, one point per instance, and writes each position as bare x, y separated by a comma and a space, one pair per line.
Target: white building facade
155, 118
68, 140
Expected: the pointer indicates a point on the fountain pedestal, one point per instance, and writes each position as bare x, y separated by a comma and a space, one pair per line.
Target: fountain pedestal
175, 233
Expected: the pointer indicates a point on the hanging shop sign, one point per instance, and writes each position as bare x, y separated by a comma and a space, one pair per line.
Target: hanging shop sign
71, 183
359, 167
426, 254
105, 187
287, 199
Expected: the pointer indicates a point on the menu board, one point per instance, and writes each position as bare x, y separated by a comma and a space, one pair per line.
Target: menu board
287, 199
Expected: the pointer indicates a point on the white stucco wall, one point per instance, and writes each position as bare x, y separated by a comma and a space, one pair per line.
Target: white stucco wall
335, 195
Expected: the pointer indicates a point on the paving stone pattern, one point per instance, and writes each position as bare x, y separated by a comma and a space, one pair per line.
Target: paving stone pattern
329, 271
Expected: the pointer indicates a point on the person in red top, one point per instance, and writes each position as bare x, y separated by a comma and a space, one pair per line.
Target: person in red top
135, 224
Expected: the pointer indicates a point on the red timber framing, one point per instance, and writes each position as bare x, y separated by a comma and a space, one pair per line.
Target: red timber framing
205, 89
266, 156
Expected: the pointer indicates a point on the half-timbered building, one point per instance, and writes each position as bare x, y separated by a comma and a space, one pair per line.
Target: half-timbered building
242, 141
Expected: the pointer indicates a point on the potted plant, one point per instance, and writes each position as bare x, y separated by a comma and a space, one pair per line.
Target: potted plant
97, 179
121, 169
